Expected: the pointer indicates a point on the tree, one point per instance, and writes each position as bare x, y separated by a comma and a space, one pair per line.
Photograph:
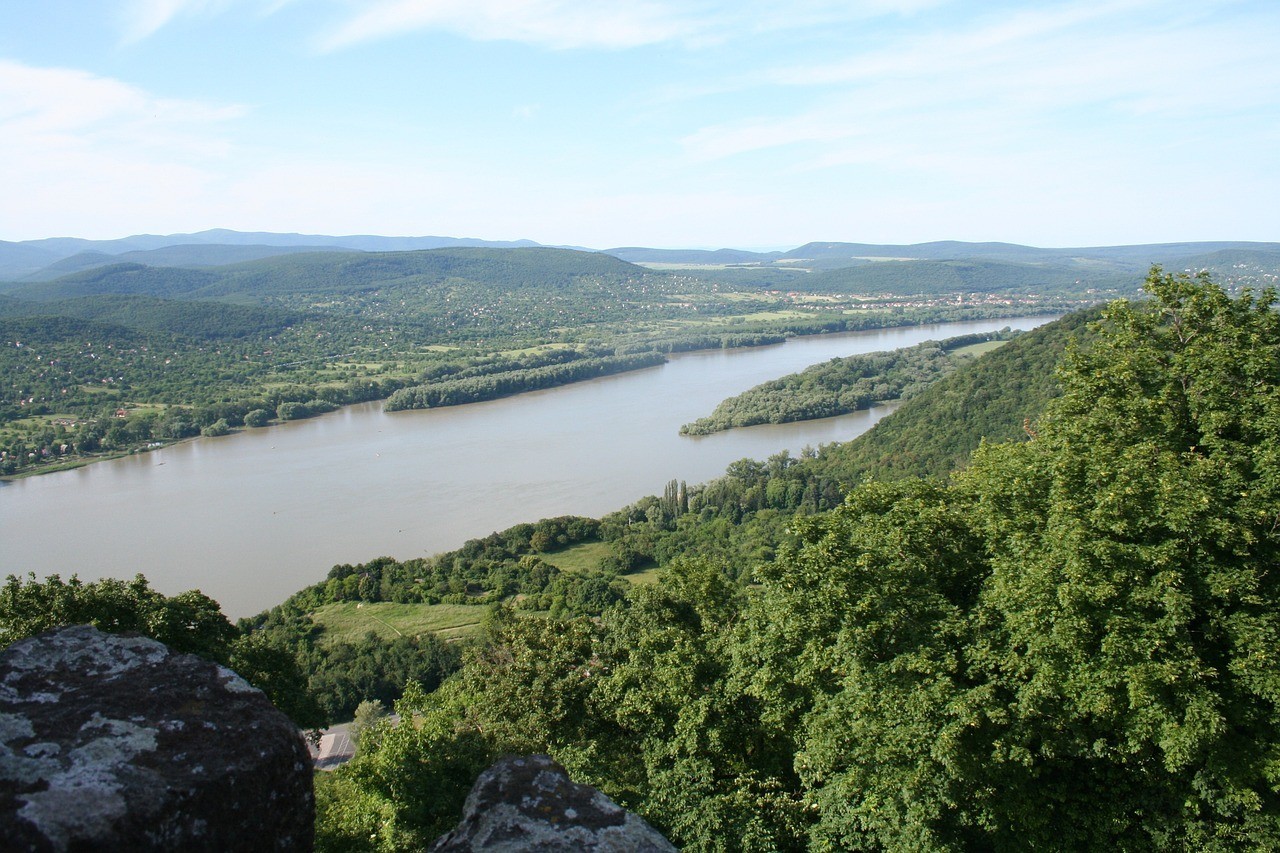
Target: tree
1134, 591
407, 787
217, 428
1073, 645
369, 713
855, 650
190, 622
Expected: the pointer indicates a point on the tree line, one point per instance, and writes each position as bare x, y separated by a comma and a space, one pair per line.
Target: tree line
454, 392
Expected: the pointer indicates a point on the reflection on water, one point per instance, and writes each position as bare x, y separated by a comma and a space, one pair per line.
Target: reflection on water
250, 518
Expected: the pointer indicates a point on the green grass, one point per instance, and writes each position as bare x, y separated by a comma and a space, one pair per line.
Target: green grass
975, 350
586, 556
759, 316
351, 620
578, 558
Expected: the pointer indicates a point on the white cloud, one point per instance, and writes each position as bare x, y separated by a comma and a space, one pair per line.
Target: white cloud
76, 147
143, 18
1013, 82
552, 23
565, 24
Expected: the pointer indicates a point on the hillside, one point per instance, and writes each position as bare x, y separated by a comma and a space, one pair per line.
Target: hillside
844, 385
997, 397
847, 669
31, 258
45, 259
335, 272
835, 663
932, 278
195, 318
1138, 257
194, 255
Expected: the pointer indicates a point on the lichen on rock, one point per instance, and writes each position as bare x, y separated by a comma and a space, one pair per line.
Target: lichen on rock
529, 803
115, 742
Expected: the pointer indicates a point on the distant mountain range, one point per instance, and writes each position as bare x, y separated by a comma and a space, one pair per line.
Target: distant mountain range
54, 257
859, 265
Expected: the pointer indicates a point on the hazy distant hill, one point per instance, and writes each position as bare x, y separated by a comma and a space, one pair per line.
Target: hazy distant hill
936, 278
940, 250
20, 259
52, 258
1139, 256
191, 255
27, 258
639, 254
335, 272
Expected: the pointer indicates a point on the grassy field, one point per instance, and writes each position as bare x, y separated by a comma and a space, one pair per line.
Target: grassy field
975, 350
578, 558
587, 555
350, 620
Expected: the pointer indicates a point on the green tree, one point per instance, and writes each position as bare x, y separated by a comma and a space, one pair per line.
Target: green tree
1134, 594
190, 622
217, 428
407, 788
855, 649
1072, 646
369, 713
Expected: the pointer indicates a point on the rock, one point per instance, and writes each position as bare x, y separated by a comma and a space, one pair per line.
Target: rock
530, 804
114, 742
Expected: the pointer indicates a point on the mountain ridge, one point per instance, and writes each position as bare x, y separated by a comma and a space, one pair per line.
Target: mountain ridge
48, 258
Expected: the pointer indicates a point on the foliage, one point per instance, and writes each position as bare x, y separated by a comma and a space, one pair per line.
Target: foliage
369, 713
1065, 649
487, 387
998, 397
190, 622
839, 386
407, 788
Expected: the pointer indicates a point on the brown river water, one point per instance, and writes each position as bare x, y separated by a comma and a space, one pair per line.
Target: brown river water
252, 517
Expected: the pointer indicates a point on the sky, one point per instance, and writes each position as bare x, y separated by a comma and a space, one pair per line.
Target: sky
605, 123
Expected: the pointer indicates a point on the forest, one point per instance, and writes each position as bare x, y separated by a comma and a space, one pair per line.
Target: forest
1037, 606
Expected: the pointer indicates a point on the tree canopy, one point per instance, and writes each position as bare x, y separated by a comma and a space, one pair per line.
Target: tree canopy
1070, 644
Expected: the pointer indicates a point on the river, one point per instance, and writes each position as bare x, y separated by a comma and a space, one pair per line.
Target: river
252, 517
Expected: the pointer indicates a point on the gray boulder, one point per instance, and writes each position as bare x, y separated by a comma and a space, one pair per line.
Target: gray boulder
115, 742
529, 803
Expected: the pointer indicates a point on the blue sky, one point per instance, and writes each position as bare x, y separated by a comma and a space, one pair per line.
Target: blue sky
606, 123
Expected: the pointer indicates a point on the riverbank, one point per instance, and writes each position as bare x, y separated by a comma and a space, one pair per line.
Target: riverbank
144, 427
252, 517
